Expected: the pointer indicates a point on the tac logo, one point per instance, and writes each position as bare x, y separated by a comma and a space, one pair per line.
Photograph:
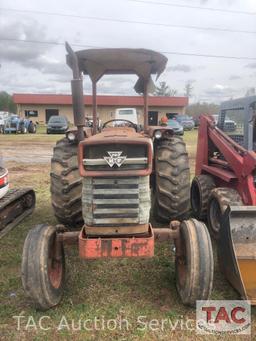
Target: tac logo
220, 317
114, 158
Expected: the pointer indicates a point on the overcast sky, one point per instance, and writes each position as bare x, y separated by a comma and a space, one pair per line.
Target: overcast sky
40, 68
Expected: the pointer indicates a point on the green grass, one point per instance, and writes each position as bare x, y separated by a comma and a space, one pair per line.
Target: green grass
113, 289
190, 138
41, 129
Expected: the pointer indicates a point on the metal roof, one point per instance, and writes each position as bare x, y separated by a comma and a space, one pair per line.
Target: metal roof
97, 62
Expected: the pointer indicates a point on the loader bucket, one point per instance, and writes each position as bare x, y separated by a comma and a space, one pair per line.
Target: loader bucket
237, 249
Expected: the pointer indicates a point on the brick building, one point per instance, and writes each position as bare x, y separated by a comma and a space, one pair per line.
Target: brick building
40, 107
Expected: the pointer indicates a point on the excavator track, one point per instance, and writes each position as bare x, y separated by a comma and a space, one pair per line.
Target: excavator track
14, 207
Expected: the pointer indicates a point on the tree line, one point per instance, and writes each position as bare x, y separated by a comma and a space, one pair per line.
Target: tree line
6, 102
163, 89
195, 109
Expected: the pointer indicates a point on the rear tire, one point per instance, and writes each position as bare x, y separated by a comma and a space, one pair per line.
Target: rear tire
66, 184
195, 267
201, 188
219, 200
41, 273
32, 128
23, 129
172, 187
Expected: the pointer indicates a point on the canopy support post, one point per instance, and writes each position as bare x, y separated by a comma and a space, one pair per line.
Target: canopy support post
145, 105
94, 106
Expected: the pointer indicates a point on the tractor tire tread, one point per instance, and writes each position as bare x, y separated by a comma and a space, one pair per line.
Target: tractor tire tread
66, 185
172, 181
205, 184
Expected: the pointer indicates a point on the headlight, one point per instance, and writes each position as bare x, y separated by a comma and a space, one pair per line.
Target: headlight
71, 136
158, 134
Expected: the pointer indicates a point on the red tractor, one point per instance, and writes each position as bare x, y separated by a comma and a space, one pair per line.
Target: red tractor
224, 189
106, 180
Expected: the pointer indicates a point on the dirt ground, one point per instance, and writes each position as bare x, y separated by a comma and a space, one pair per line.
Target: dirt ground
29, 151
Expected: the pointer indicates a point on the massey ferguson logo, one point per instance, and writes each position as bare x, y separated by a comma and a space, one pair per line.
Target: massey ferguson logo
114, 158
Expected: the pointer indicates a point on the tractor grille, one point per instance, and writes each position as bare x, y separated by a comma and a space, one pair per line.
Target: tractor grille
135, 157
116, 201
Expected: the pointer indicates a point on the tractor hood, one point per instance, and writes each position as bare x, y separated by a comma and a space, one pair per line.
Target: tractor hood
117, 133
116, 151
13, 119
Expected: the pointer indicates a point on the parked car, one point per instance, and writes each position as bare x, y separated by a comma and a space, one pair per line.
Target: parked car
176, 127
196, 120
229, 125
16, 124
57, 124
186, 121
3, 118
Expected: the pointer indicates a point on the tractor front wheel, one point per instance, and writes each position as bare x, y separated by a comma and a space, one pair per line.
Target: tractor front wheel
194, 262
43, 267
219, 200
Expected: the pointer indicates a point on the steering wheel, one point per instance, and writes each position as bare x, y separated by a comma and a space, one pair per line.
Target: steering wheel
131, 124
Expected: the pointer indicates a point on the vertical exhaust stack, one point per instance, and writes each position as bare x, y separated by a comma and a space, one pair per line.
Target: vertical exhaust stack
145, 105
77, 92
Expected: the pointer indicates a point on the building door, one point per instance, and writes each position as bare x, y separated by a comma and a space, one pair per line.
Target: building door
50, 112
153, 118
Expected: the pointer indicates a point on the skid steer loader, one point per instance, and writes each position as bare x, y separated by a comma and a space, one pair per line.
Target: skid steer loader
224, 189
101, 184
15, 204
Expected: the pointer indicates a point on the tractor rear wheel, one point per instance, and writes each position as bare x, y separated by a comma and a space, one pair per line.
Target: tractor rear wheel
23, 129
201, 188
32, 128
218, 202
172, 185
43, 267
66, 184
195, 265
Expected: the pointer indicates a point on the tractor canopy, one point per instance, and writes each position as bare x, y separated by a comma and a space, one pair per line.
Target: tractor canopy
97, 62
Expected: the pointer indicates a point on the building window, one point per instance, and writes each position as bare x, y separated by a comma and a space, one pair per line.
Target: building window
31, 113
171, 115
